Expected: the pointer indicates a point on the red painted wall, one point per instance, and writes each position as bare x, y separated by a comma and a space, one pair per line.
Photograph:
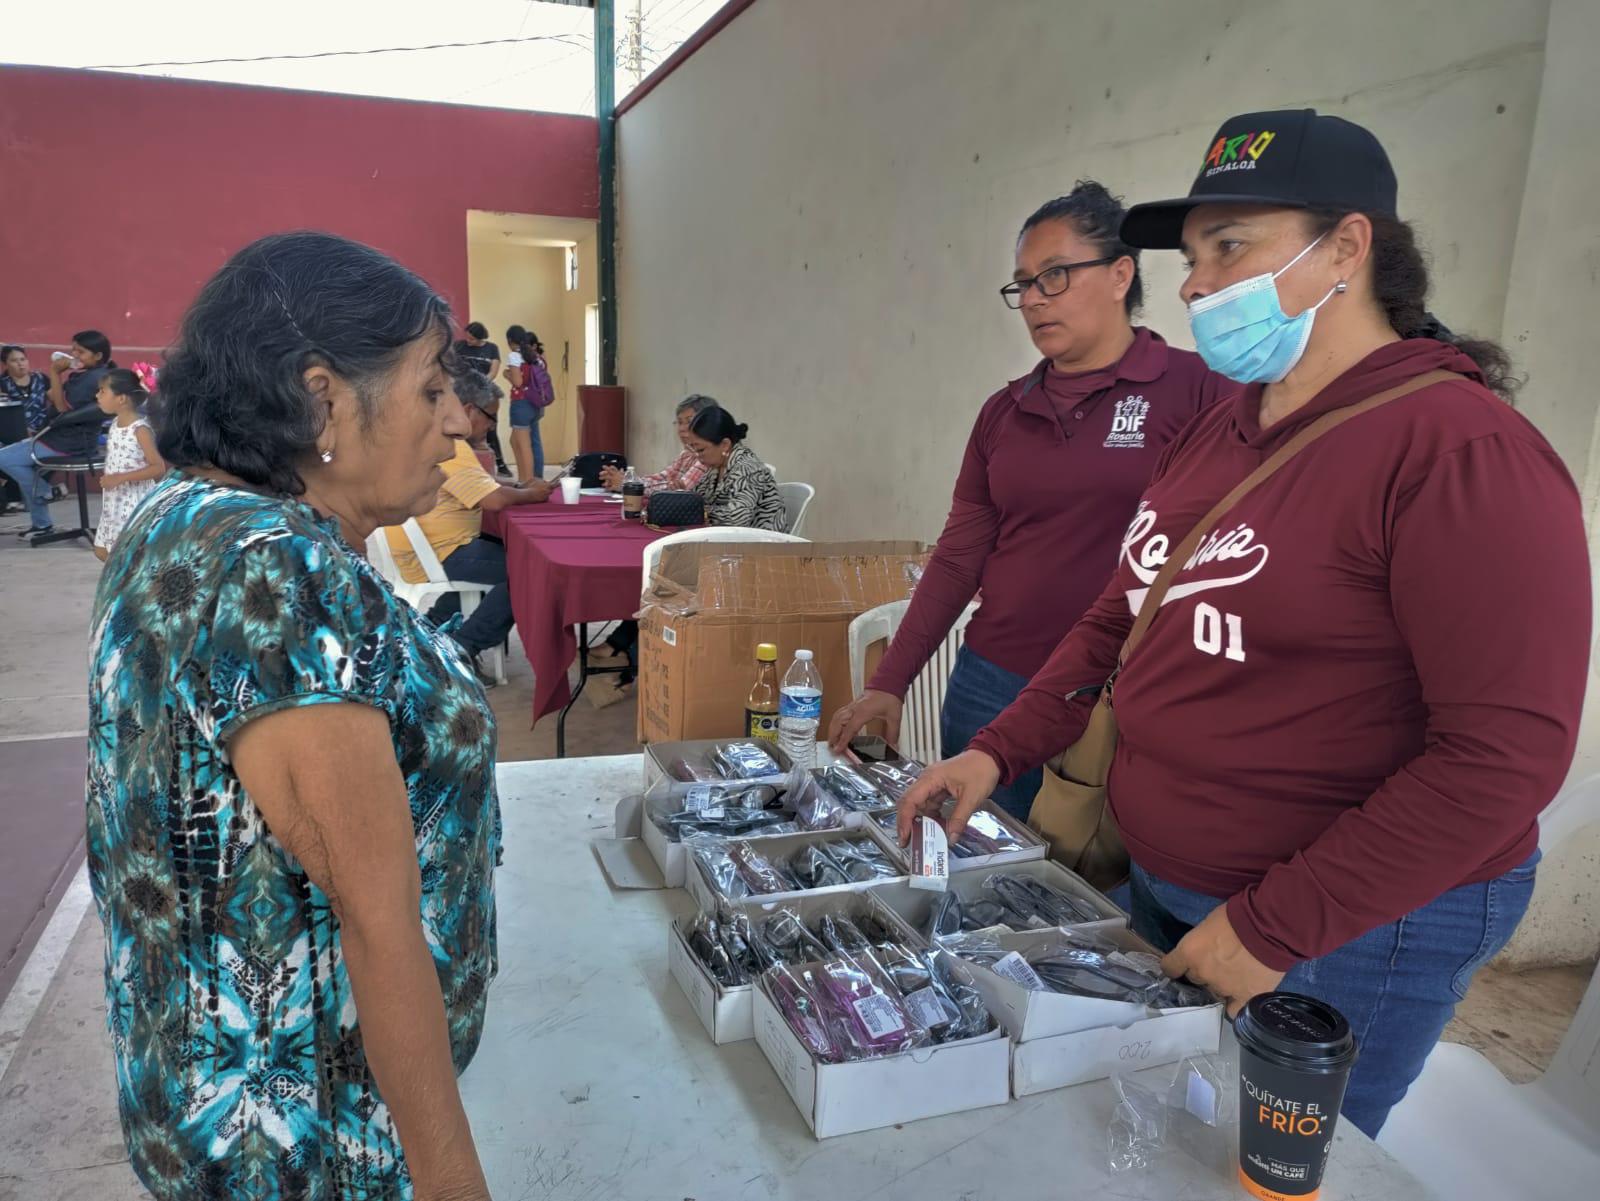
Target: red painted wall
120, 195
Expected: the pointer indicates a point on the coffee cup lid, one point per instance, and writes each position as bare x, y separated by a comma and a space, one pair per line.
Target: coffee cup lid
1297, 1031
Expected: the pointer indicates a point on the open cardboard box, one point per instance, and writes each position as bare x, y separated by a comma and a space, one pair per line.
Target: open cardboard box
1033, 847
659, 757
706, 895
672, 856
725, 1010
1063, 1040
843, 1098
916, 905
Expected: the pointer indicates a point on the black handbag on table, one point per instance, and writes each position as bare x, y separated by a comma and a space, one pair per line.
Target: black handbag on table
587, 466
668, 509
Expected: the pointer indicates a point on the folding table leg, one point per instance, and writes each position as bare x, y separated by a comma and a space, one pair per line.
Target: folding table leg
583, 678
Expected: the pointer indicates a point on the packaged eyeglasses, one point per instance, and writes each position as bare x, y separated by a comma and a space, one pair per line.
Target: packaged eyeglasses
1078, 963
852, 788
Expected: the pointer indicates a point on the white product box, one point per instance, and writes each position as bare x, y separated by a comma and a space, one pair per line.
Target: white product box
781, 845
1062, 1040
659, 756
1068, 1059
670, 856
843, 1098
1033, 847
725, 1010
916, 906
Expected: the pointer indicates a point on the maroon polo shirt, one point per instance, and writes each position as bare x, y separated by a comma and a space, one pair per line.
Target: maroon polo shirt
1053, 468
1365, 686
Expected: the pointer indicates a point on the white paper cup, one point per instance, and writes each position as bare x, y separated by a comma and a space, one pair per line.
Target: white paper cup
571, 485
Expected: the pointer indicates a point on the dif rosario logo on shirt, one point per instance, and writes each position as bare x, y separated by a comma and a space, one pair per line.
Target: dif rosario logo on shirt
1232, 556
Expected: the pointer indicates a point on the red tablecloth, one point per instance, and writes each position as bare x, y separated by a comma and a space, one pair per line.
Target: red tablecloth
567, 564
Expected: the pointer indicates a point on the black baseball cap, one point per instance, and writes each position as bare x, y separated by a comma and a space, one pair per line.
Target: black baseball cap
1291, 157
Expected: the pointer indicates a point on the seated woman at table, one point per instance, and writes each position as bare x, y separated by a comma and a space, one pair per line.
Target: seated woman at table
684, 472
292, 819
738, 488
454, 528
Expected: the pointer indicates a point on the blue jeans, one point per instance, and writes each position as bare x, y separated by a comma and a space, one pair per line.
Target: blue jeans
977, 693
478, 562
525, 415
16, 461
1397, 985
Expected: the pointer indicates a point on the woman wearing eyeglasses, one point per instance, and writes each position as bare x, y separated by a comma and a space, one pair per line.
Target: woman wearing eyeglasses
1054, 467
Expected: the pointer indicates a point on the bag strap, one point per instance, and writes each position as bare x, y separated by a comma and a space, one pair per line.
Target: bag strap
1322, 425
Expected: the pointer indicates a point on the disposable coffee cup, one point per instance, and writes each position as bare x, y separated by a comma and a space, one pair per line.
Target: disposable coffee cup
571, 487
1295, 1055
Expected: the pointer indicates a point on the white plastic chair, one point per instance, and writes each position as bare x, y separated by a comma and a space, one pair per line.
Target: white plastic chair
919, 723
421, 596
1469, 1134
796, 500
709, 533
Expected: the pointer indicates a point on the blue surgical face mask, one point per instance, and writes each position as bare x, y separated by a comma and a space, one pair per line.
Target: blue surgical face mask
1241, 331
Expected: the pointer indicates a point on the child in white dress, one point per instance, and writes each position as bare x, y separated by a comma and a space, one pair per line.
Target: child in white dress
133, 465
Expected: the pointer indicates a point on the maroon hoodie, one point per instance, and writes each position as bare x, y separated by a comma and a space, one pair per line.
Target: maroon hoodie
1365, 686
1054, 466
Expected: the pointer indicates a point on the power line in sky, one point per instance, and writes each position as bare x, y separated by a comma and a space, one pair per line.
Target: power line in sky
273, 58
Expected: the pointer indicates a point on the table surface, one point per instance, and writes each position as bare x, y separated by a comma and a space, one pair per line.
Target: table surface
569, 564
596, 1082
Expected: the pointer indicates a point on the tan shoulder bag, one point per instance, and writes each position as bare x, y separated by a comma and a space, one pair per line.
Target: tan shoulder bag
1070, 811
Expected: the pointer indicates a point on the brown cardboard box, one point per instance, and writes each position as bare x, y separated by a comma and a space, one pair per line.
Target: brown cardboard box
710, 604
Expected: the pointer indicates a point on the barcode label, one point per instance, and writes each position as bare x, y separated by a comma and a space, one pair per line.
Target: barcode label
1017, 969
669, 635
879, 1015
928, 1007
698, 799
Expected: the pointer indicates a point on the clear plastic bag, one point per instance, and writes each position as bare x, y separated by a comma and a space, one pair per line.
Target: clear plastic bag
761, 875
688, 770
862, 860
744, 761
812, 867
704, 936
985, 834
1195, 1113
868, 1019
1031, 902
815, 808
711, 853
728, 810
784, 938
737, 938
854, 789
972, 1015
794, 991
894, 780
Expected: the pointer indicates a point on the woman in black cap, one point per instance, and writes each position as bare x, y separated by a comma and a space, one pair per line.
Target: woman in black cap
1365, 679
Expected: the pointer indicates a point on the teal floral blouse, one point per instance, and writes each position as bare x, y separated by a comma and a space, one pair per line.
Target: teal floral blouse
240, 1069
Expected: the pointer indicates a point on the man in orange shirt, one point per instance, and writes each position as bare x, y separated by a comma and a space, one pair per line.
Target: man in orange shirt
454, 528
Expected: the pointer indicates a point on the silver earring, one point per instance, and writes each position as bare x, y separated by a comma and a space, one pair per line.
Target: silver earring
1341, 286
327, 455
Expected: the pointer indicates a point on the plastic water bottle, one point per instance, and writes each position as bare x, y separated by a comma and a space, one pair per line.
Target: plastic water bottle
800, 711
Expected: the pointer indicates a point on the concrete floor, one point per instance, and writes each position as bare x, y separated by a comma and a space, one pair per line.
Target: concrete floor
59, 1136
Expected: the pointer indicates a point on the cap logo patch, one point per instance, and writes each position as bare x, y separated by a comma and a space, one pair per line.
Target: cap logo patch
1239, 153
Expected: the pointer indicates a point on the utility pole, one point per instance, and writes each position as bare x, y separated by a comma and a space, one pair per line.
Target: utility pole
634, 47
605, 70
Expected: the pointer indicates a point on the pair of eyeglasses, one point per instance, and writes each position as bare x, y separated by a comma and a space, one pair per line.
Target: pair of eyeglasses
1051, 282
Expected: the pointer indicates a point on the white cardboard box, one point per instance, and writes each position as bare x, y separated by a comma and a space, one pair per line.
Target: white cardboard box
916, 906
1028, 1015
725, 1010
843, 1098
1033, 847
658, 755
1046, 1063
707, 897
670, 856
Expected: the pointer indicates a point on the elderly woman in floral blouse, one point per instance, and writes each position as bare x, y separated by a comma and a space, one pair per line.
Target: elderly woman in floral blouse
292, 820
684, 472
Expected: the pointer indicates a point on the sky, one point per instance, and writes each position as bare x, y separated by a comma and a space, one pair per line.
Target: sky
555, 74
